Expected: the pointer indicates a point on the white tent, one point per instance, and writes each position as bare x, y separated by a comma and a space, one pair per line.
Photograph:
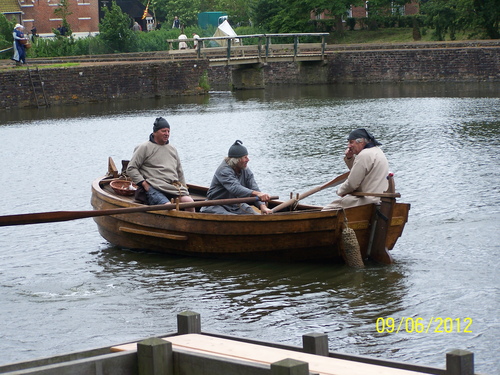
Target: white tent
225, 29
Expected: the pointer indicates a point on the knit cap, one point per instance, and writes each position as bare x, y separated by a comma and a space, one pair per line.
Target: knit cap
160, 123
363, 133
237, 150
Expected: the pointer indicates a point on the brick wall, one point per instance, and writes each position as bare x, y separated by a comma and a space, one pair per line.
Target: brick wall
473, 61
461, 62
84, 17
103, 82
428, 64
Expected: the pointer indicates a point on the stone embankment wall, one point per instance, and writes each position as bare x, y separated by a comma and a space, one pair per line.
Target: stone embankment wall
455, 62
474, 61
470, 61
103, 81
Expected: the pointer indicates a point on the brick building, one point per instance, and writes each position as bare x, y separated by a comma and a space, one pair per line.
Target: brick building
84, 18
408, 9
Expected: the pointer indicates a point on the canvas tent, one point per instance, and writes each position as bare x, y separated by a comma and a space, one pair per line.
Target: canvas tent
225, 29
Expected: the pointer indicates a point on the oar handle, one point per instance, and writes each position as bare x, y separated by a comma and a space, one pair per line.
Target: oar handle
336, 181
55, 216
382, 195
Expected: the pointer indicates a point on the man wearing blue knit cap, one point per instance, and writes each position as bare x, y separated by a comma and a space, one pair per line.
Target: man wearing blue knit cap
233, 179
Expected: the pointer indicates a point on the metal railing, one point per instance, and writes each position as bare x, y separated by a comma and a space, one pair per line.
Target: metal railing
231, 44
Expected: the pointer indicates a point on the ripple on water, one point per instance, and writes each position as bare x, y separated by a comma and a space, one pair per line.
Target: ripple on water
65, 279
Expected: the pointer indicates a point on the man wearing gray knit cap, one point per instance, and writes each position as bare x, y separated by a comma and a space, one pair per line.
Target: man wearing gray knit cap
155, 166
233, 179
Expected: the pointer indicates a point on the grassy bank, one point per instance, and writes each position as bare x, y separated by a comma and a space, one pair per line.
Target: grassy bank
392, 35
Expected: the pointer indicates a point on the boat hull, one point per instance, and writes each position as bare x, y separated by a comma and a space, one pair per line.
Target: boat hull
307, 235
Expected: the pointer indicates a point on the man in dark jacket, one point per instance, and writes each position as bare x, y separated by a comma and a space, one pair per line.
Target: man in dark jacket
233, 179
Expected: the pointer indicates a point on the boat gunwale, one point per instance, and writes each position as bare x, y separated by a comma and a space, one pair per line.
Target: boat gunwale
120, 202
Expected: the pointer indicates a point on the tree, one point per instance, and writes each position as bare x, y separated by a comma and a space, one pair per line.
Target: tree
263, 11
480, 17
238, 10
63, 11
339, 11
186, 10
295, 15
6, 29
115, 30
442, 16
485, 16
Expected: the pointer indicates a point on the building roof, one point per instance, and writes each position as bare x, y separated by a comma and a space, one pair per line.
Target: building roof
10, 6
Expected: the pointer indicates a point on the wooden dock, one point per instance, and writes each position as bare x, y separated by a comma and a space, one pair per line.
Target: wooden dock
227, 349
189, 351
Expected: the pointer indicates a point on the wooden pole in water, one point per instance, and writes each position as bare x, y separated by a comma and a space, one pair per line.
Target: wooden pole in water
379, 252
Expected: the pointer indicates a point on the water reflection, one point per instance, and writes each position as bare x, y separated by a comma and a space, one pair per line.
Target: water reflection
253, 290
284, 95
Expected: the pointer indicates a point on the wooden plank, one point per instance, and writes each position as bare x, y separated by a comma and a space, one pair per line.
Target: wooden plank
231, 349
152, 233
309, 46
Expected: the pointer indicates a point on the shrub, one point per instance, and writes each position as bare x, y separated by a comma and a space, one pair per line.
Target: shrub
351, 23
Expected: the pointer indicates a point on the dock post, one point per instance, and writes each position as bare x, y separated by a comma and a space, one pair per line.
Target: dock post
289, 366
459, 362
315, 343
155, 357
188, 322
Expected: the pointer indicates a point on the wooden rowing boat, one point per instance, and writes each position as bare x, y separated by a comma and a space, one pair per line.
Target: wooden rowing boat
301, 233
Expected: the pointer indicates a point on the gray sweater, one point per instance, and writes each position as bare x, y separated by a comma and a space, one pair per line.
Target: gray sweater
227, 184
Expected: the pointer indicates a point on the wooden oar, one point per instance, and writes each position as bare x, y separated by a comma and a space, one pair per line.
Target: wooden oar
54, 216
381, 195
336, 181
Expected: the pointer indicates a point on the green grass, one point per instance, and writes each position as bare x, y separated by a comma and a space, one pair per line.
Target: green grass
392, 35
62, 65
4, 67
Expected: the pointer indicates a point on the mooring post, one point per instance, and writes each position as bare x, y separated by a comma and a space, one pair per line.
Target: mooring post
228, 49
289, 366
188, 322
315, 343
459, 362
155, 357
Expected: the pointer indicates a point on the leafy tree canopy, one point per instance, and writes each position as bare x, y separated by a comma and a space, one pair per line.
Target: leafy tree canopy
481, 17
115, 30
6, 29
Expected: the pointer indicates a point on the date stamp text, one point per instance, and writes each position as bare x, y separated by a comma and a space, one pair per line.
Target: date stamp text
421, 325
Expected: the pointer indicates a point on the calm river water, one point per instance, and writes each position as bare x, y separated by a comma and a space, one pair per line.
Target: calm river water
63, 288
